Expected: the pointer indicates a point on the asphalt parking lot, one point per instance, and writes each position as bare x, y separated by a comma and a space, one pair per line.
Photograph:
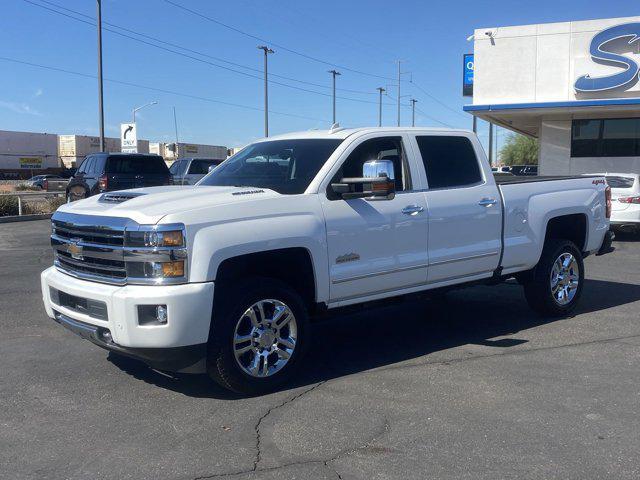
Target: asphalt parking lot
473, 386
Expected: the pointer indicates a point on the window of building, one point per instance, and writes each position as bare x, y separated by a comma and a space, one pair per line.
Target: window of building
450, 162
611, 137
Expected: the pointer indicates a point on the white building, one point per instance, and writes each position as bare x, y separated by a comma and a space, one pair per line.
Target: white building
28, 151
573, 85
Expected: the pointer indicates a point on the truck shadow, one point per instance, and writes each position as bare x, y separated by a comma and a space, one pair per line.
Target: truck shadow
377, 337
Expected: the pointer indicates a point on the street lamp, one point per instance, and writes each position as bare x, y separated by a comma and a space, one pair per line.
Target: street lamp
267, 51
141, 107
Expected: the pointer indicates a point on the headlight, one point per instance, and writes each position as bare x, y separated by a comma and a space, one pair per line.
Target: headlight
156, 254
155, 238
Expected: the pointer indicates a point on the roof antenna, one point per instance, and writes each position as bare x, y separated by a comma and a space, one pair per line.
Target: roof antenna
335, 127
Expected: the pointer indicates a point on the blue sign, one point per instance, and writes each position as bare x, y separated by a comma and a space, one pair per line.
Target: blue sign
600, 53
467, 75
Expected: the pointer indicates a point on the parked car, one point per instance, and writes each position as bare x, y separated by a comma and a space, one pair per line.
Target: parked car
104, 172
37, 181
55, 184
224, 277
188, 171
625, 198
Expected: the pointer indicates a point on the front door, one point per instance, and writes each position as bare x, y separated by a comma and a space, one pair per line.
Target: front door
376, 246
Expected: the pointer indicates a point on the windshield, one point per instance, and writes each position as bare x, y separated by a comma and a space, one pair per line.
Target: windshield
286, 166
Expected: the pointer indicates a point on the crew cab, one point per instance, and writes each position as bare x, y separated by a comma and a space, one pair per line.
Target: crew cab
225, 277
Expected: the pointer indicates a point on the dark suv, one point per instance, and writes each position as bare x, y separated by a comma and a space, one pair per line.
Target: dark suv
104, 172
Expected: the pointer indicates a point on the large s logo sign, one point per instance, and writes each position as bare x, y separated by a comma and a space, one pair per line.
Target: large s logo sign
599, 54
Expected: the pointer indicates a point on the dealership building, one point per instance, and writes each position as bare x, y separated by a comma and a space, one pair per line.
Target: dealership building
573, 85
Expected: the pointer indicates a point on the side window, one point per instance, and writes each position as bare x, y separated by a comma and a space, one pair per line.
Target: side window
88, 165
383, 148
450, 162
83, 166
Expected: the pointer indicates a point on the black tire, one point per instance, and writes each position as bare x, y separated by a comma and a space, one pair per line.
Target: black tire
230, 304
538, 289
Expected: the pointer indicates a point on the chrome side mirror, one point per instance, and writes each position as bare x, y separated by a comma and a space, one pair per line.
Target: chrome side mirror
378, 168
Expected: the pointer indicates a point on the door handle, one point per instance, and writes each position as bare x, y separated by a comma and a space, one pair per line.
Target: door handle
412, 209
487, 202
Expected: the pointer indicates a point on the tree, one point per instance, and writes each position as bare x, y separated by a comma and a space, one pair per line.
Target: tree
520, 150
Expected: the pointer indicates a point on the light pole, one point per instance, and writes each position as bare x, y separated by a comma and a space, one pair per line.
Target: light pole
334, 73
381, 91
413, 112
140, 108
267, 51
100, 94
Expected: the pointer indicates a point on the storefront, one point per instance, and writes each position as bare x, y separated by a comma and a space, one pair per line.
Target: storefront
573, 85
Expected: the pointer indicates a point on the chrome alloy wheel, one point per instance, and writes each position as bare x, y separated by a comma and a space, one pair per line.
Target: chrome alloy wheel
265, 338
564, 278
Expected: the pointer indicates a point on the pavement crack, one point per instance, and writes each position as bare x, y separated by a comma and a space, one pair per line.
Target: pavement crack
269, 412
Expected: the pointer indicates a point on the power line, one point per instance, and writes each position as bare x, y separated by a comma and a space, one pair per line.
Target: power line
196, 58
156, 89
435, 99
187, 49
281, 47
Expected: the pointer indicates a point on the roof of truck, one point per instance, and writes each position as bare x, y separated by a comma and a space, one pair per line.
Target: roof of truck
340, 132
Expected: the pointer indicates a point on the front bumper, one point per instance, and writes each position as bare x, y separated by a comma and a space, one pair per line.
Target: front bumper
178, 345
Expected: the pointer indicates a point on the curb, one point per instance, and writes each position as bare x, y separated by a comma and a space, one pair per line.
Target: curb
24, 218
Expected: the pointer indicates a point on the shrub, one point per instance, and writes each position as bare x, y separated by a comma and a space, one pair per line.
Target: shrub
23, 187
8, 205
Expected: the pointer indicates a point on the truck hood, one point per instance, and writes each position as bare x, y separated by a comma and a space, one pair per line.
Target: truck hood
149, 205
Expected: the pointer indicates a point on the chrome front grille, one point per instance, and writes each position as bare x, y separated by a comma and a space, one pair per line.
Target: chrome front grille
109, 250
92, 252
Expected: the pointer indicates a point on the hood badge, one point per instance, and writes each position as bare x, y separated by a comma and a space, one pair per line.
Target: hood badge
247, 192
349, 257
75, 249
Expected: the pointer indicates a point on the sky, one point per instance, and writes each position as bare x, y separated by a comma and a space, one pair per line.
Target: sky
201, 57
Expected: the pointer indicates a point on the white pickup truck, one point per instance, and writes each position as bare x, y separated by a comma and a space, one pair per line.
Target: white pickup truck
224, 277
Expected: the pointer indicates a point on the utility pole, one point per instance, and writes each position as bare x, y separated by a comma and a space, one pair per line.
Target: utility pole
413, 112
334, 73
100, 94
381, 91
491, 144
399, 61
267, 51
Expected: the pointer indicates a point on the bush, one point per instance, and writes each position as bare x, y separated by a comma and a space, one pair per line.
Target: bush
23, 187
8, 205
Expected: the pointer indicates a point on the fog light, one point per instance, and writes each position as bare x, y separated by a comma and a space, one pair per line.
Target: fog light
161, 313
106, 336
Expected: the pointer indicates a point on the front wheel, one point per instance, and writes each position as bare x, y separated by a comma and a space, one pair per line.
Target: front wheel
258, 335
555, 286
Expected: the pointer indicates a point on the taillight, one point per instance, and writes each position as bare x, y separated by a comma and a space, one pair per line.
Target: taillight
635, 200
103, 182
607, 196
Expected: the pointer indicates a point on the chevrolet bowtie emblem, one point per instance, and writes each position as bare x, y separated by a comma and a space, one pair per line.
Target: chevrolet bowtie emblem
75, 249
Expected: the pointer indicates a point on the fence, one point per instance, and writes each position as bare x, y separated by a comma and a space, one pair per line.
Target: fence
22, 196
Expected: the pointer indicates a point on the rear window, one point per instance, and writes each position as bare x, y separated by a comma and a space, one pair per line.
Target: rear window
619, 182
450, 162
135, 164
201, 167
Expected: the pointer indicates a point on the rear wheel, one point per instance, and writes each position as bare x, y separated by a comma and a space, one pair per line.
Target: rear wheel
76, 194
555, 285
258, 336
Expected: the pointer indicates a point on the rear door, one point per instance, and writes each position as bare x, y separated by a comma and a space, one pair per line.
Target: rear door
465, 218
